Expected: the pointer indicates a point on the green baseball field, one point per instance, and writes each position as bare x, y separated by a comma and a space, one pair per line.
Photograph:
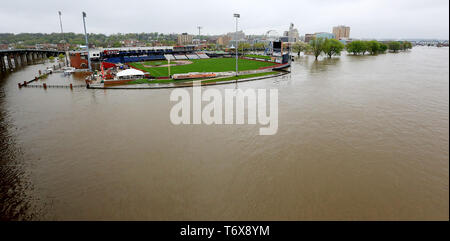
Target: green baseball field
159, 68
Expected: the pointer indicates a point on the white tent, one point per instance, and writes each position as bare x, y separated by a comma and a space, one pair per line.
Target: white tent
130, 72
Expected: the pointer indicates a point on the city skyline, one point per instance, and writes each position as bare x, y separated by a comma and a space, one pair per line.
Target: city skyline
374, 19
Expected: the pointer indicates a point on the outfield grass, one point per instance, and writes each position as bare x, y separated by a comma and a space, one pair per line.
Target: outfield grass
204, 65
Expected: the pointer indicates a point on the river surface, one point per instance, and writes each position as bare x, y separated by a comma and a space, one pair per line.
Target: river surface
359, 138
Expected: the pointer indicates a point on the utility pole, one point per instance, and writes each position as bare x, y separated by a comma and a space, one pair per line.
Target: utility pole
236, 15
64, 41
87, 42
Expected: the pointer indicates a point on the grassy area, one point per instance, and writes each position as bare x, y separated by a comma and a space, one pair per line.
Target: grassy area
204, 65
258, 56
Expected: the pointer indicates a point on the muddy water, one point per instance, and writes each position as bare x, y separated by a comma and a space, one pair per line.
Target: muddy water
359, 138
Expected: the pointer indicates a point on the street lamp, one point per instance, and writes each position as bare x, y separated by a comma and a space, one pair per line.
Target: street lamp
64, 41
236, 15
87, 42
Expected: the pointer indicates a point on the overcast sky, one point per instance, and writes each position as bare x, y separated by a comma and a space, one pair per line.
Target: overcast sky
367, 18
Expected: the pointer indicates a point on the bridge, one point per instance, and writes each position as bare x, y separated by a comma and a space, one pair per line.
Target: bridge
23, 57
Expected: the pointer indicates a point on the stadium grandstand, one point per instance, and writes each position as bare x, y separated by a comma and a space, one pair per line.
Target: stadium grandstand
202, 56
180, 56
169, 57
137, 54
192, 56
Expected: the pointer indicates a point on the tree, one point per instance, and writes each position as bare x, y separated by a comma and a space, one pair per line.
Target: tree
243, 47
61, 56
394, 46
373, 47
357, 47
316, 45
259, 46
299, 47
405, 45
383, 48
117, 45
332, 47
211, 47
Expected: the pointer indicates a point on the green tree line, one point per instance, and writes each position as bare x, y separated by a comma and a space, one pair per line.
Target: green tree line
318, 46
333, 47
374, 47
100, 40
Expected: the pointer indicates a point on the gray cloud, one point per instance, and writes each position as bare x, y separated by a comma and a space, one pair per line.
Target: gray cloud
367, 18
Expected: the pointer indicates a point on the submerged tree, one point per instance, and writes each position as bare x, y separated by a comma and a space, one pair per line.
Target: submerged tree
383, 47
316, 45
299, 47
394, 46
332, 47
357, 47
373, 47
405, 45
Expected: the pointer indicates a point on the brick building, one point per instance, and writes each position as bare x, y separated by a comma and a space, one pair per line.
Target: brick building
79, 59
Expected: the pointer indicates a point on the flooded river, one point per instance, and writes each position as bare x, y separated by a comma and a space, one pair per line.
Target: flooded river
359, 138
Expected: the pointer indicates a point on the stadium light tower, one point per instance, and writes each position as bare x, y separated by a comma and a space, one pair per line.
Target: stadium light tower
199, 28
236, 15
64, 41
87, 42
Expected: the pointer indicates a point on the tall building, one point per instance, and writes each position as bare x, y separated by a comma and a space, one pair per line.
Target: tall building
240, 35
324, 35
223, 40
308, 37
341, 32
292, 34
184, 39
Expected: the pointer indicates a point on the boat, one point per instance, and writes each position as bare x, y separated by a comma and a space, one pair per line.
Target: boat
68, 70
48, 70
125, 76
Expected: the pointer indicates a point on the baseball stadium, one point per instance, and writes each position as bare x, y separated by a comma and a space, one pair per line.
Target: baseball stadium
181, 65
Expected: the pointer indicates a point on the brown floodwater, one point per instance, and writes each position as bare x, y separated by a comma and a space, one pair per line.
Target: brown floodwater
359, 138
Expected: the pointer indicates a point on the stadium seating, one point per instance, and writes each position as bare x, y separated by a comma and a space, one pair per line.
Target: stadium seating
180, 56
127, 59
114, 60
203, 56
169, 56
192, 56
